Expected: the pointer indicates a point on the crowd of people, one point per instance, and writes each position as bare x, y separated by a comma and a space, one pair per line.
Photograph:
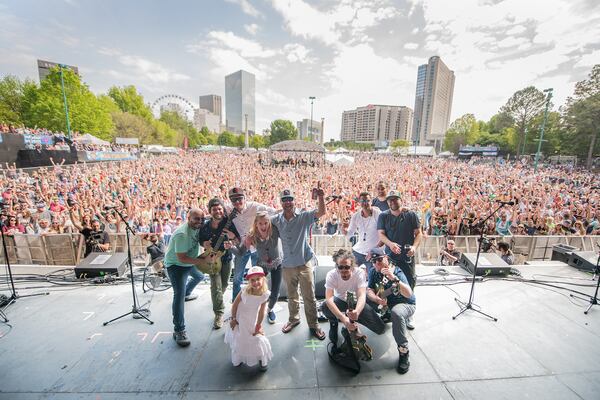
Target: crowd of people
448, 196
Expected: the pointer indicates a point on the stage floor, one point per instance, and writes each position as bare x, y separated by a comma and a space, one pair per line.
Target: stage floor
541, 347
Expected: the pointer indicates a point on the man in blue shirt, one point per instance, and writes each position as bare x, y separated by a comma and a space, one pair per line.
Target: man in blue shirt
294, 228
181, 260
400, 300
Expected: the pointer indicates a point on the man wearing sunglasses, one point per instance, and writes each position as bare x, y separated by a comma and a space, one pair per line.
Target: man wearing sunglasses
294, 228
243, 220
347, 277
400, 301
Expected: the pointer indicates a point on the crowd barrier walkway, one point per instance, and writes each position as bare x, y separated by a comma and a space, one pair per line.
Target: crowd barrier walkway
67, 249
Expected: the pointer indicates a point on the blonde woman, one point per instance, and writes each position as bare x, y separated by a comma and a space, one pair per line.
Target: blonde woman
264, 236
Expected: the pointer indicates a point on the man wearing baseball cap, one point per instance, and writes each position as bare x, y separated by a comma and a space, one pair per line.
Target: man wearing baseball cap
243, 213
389, 282
294, 227
400, 231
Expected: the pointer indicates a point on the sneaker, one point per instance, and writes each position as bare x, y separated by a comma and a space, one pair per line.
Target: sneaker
218, 322
271, 317
409, 324
181, 338
263, 367
191, 297
403, 363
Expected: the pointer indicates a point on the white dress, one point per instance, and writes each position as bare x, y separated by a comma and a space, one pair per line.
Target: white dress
246, 348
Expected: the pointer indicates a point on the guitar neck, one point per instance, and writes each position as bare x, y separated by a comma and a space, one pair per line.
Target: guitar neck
226, 226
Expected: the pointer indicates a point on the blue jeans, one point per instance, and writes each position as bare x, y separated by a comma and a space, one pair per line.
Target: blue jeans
178, 275
362, 259
239, 268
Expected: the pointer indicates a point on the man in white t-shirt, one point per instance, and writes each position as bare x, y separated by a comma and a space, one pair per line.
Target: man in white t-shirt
364, 223
347, 277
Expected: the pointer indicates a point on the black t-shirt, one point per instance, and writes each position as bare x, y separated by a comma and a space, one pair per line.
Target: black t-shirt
399, 229
382, 205
92, 238
156, 250
206, 232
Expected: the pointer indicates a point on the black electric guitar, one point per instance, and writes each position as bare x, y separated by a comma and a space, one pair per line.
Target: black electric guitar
214, 267
359, 340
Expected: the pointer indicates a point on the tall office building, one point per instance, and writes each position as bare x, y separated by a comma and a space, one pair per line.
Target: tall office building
306, 130
239, 102
204, 118
44, 68
378, 124
433, 103
212, 103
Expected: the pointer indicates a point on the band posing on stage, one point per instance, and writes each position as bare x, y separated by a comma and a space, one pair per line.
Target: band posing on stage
378, 290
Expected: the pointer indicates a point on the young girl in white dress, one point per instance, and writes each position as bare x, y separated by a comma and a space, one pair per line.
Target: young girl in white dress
245, 336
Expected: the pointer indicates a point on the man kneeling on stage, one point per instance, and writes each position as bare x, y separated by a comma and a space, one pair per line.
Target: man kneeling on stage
388, 287
347, 277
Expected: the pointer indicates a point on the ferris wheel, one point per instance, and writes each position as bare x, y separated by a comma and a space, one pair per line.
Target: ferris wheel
173, 102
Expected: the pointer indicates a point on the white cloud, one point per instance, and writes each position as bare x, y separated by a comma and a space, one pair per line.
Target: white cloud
150, 70
247, 7
245, 47
411, 46
588, 60
251, 28
297, 53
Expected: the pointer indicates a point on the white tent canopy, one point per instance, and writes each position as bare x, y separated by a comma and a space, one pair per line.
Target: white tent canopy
91, 139
340, 150
339, 159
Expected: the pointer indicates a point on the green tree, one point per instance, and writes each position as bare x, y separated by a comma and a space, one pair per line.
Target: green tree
400, 143
227, 139
522, 107
281, 130
464, 130
12, 93
133, 126
129, 100
257, 142
44, 107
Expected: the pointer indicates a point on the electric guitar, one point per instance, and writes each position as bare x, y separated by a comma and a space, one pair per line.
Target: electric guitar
359, 340
214, 267
383, 293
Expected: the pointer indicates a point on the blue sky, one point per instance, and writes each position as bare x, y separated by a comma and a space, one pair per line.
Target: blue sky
347, 53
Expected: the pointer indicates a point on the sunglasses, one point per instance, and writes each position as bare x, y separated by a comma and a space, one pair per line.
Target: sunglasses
237, 200
344, 267
364, 201
287, 200
377, 259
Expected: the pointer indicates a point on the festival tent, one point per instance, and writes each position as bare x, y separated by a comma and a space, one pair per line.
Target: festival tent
340, 150
90, 139
339, 159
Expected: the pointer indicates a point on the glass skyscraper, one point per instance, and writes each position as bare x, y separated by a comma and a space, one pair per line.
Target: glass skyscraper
240, 102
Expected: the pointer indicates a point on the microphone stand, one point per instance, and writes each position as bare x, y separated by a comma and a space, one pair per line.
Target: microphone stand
135, 310
593, 300
14, 295
469, 305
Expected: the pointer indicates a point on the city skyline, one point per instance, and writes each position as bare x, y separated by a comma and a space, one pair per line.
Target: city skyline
346, 53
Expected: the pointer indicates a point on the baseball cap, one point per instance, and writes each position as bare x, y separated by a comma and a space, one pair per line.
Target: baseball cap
286, 193
392, 194
236, 192
376, 252
255, 271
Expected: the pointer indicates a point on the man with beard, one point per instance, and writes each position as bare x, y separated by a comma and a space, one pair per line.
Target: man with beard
363, 222
347, 277
294, 227
181, 260
209, 235
400, 231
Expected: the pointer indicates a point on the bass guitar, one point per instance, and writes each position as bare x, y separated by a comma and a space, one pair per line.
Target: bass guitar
214, 267
383, 293
359, 340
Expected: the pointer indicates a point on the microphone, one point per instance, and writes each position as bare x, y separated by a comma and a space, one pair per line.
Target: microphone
506, 203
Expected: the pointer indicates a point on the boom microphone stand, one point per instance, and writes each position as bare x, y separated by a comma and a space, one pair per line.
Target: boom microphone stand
593, 300
469, 305
13, 296
135, 310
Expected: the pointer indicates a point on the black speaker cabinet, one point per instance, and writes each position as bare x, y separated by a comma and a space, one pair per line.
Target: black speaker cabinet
489, 264
585, 260
101, 264
562, 252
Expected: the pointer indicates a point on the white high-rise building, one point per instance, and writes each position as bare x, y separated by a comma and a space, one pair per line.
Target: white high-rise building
204, 118
433, 103
378, 124
212, 103
240, 102
306, 130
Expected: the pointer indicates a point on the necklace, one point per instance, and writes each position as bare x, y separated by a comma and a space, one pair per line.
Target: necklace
365, 225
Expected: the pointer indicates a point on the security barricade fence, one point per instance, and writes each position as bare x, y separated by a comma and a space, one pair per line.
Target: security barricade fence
67, 249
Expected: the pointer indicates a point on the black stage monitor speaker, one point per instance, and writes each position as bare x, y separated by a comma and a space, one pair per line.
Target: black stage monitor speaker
101, 264
585, 260
562, 252
489, 264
